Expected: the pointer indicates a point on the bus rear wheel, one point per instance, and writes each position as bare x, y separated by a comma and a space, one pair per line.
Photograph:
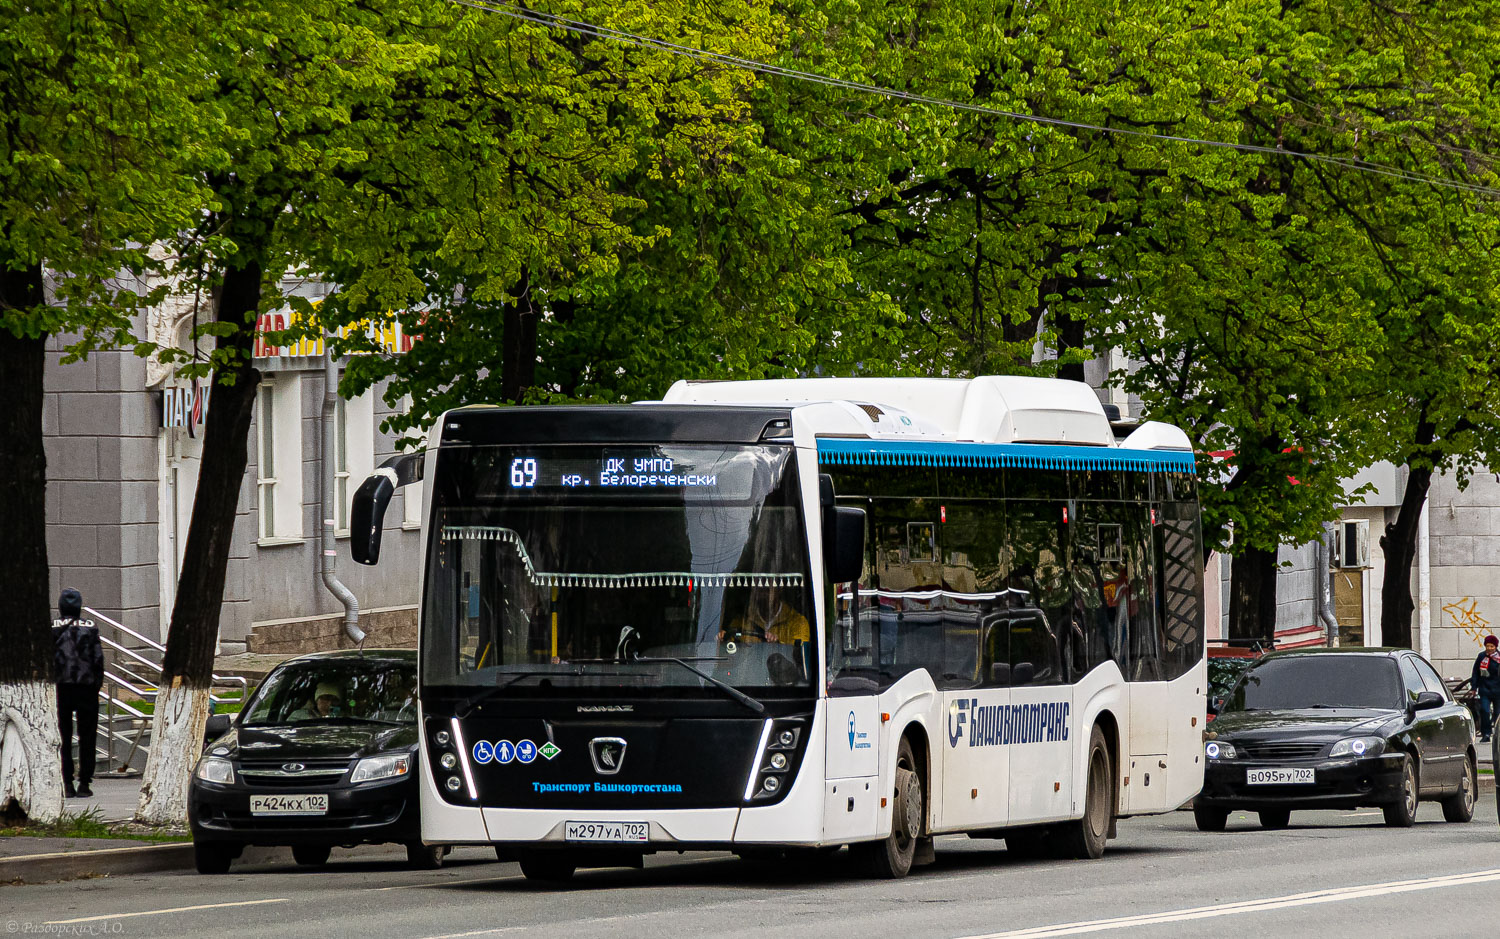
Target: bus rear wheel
1086, 837
555, 867
893, 856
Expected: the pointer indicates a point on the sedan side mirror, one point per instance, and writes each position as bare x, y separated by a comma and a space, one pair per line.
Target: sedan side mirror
218, 725
1424, 701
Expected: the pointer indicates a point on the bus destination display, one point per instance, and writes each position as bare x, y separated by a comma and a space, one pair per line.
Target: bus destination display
609, 472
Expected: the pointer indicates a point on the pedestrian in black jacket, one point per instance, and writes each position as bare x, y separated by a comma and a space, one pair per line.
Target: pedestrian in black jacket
1486, 681
79, 660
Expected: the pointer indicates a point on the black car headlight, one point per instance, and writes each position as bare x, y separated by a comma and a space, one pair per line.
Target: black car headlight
383, 766
215, 769
1358, 746
1219, 750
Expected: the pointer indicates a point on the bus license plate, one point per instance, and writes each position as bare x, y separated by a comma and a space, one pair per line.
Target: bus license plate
1279, 776
310, 804
619, 832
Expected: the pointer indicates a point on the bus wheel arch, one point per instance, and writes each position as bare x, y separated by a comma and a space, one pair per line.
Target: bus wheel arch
1105, 721
894, 855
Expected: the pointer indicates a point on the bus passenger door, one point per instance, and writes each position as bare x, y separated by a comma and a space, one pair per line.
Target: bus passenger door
1037, 723
975, 761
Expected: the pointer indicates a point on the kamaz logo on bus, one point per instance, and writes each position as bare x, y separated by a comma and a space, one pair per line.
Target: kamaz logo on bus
999, 725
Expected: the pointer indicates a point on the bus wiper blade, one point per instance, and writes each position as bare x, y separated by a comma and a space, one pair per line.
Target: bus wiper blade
467, 705
724, 686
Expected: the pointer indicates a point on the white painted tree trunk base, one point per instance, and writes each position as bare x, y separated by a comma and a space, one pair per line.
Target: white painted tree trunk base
31, 750
176, 742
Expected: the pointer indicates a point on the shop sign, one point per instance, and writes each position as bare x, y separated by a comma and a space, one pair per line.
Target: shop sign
185, 407
389, 335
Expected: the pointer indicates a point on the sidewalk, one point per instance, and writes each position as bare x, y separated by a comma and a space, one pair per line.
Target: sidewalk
114, 799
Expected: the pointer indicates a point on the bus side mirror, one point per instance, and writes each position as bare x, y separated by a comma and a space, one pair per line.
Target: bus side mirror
367, 516
844, 543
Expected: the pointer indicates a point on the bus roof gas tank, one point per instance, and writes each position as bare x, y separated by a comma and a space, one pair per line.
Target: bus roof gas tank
987, 409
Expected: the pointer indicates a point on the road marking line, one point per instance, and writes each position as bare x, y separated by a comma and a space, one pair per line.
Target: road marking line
1331, 895
175, 909
450, 883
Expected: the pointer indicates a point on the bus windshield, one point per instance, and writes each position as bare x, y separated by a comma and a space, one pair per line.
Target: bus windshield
587, 569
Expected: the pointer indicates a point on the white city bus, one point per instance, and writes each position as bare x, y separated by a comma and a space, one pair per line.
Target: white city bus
788, 616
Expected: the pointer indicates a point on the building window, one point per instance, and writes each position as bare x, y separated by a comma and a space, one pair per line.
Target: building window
411, 494
354, 453
278, 449
266, 458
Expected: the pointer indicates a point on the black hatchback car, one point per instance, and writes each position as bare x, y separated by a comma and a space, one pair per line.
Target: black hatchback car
1333, 728
323, 754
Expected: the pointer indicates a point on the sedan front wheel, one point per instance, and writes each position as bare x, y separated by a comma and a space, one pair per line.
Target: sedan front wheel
1403, 812
1459, 807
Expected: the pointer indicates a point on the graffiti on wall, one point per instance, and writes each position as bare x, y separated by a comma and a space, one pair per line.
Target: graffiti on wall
1466, 616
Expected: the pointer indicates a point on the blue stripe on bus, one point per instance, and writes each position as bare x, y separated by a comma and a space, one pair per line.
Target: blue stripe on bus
850, 452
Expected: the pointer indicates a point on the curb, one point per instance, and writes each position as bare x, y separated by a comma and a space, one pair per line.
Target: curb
137, 859
67, 865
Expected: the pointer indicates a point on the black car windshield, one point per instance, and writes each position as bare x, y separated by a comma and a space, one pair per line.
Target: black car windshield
336, 691
568, 570
1318, 681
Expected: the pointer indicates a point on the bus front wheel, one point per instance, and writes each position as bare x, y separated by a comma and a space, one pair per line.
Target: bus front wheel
893, 856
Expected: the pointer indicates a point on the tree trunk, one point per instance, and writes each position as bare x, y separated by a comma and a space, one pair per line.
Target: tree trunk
1400, 546
187, 666
30, 743
1252, 595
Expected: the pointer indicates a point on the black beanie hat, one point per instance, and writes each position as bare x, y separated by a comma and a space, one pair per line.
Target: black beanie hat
70, 603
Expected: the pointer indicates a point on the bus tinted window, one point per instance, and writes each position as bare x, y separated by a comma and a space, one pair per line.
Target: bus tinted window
1180, 563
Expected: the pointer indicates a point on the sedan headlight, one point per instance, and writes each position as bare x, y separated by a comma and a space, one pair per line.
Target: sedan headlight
385, 766
216, 770
1358, 746
1219, 750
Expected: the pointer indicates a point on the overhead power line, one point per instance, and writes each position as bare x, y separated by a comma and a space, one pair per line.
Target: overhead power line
584, 28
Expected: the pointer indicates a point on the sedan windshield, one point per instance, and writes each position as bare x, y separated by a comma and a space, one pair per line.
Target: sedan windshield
1319, 681
336, 691
591, 569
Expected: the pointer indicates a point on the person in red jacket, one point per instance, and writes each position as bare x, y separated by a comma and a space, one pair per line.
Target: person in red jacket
1486, 682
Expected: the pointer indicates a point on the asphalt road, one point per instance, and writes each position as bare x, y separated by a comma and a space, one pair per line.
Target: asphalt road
1330, 874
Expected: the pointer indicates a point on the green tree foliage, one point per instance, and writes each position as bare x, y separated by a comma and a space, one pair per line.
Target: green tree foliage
91, 118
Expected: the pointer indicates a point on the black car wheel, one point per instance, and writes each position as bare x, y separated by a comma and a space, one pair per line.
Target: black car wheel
1403, 812
213, 857
311, 855
1210, 819
424, 857
1459, 807
1272, 819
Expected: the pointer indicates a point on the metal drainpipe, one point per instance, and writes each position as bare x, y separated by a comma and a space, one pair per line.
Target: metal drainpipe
1323, 593
330, 547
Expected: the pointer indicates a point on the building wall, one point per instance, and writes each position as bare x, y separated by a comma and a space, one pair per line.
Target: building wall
100, 437
1464, 529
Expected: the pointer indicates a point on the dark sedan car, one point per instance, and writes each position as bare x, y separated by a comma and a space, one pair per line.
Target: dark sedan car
323, 754
1330, 728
